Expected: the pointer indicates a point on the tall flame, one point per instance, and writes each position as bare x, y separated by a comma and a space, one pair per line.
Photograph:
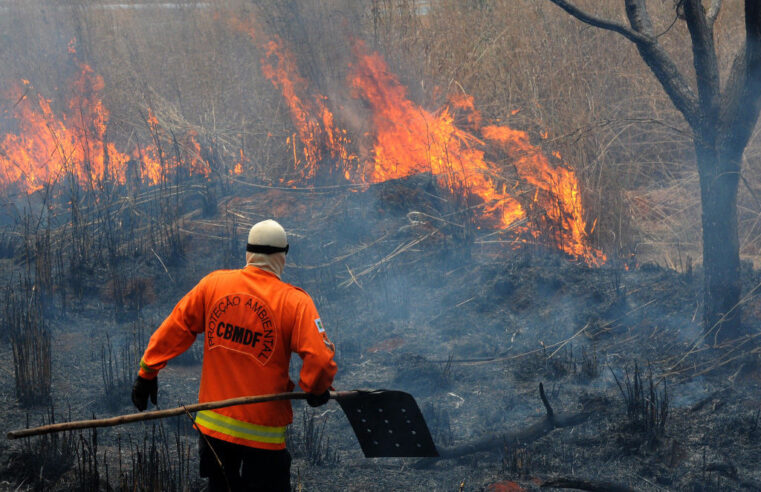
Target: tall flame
411, 140
312, 118
47, 147
557, 191
314, 121
405, 139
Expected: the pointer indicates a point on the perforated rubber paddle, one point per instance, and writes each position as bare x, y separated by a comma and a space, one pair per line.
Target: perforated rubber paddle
387, 423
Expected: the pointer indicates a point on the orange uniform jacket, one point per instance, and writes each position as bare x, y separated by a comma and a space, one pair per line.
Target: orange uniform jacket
251, 321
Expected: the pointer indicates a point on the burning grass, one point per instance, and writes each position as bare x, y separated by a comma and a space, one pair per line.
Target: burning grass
407, 139
48, 147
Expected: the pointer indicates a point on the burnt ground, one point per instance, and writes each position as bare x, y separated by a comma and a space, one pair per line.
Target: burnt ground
417, 298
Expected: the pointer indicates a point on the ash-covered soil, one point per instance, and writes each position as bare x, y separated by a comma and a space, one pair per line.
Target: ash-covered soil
417, 297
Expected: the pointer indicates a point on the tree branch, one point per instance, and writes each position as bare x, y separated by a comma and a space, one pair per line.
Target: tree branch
713, 12
639, 19
741, 102
705, 61
546, 402
731, 95
609, 25
496, 441
652, 53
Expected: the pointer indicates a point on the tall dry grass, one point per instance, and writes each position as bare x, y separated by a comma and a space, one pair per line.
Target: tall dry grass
603, 109
598, 103
30, 339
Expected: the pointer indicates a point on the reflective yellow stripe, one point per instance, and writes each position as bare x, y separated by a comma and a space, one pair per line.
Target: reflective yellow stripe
238, 428
145, 367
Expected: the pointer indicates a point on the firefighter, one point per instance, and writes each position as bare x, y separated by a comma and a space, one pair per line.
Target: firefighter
250, 322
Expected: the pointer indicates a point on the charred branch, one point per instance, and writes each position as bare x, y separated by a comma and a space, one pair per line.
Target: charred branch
729, 470
550, 411
497, 442
582, 484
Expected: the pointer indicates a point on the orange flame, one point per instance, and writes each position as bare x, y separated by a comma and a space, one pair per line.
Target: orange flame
408, 139
411, 140
237, 169
557, 191
313, 120
47, 147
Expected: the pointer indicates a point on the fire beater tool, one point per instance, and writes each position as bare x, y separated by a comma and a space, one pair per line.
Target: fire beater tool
387, 423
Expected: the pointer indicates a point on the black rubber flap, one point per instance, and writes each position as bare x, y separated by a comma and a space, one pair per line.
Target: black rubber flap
388, 424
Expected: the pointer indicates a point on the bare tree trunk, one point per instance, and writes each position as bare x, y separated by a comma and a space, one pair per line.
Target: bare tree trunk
723, 122
719, 179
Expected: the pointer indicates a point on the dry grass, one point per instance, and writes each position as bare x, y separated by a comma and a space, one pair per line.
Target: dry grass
587, 89
602, 108
29, 334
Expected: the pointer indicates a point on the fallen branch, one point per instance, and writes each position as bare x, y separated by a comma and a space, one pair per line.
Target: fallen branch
581, 484
497, 442
729, 470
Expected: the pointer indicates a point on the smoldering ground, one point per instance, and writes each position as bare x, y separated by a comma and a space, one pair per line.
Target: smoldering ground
472, 351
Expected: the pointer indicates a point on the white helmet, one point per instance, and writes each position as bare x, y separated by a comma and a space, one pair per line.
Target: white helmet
267, 247
267, 237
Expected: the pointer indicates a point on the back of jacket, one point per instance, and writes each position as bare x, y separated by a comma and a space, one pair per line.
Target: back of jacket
251, 322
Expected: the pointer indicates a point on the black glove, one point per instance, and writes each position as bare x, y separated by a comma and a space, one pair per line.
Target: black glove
317, 400
142, 389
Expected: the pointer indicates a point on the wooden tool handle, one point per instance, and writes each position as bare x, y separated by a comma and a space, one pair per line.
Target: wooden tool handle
160, 414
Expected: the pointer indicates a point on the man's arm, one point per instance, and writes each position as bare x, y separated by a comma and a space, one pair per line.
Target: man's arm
176, 334
310, 341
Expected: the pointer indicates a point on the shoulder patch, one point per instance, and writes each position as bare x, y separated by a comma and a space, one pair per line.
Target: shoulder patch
320, 328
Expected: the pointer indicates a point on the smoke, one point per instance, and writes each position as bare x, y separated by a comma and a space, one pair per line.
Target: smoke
317, 33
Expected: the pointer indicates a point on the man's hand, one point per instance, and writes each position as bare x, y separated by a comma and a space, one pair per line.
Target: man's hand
317, 400
142, 389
